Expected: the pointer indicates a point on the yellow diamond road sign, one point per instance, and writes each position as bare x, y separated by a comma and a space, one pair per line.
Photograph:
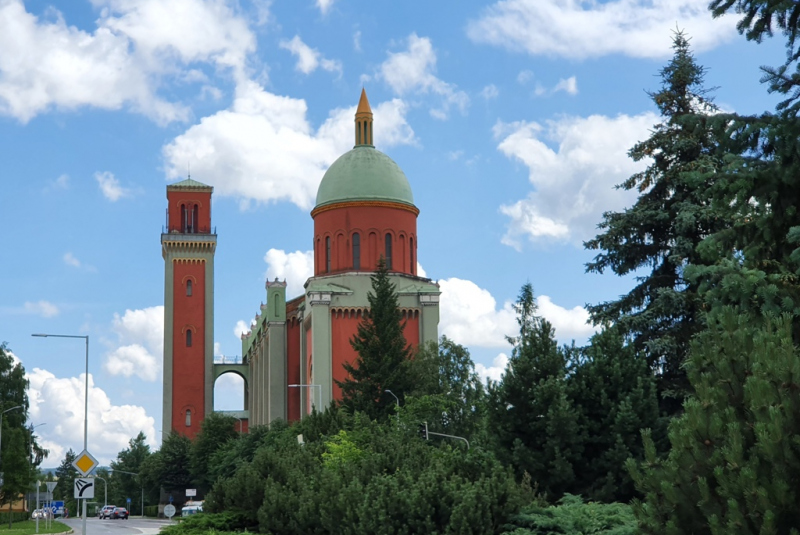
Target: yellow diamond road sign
84, 463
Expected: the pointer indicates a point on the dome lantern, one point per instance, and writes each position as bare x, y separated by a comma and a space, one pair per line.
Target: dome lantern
364, 121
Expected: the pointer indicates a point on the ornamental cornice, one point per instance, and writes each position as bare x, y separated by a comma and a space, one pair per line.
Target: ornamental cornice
372, 204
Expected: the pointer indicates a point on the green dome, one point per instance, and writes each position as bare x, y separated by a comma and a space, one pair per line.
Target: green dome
364, 174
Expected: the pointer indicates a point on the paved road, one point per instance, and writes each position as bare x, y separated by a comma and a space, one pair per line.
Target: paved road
132, 526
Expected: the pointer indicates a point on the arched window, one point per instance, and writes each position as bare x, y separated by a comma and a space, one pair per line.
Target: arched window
183, 218
189, 288
356, 251
328, 254
388, 251
195, 219
188, 417
277, 305
411, 255
188, 338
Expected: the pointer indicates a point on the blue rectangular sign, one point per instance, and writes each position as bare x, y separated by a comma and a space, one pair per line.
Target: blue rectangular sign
57, 507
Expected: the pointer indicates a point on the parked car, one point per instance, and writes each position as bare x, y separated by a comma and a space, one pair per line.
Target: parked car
105, 512
191, 509
37, 513
119, 512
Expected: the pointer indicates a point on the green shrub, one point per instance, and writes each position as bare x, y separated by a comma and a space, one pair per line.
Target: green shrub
201, 524
573, 517
151, 510
15, 517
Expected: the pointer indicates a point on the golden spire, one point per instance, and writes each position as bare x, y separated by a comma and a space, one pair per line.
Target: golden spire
363, 121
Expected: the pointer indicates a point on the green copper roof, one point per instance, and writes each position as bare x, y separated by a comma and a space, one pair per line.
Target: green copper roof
189, 183
364, 174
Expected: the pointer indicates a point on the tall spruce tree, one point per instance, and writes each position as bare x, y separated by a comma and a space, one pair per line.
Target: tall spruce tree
530, 412
735, 461
383, 354
658, 235
614, 394
757, 257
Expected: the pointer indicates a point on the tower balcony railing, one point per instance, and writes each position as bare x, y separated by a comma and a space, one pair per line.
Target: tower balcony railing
189, 230
227, 359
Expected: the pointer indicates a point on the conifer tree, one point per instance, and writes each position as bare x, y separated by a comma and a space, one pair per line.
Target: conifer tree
614, 394
383, 353
658, 235
735, 462
66, 475
757, 193
530, 412
17, 442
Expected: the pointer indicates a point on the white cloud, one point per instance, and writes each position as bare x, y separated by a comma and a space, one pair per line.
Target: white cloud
294, 267
357, 41
241, 328
470, 316
586, 28
490, 92
412, 71
569, 323
309, 59
62, 182
568, 85
421, 272
136, 45
110, 186
574, 183
60, 402
264, 149
140, 344
524, 77
185, 31
495, 371
41, 308
229, 393
324, 5
70, 260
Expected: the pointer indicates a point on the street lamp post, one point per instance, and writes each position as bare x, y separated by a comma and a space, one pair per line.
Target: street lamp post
105, 485
397, 400
310, 386
133, 474
85, 402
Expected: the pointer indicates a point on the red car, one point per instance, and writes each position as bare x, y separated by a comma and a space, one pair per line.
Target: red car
119, 512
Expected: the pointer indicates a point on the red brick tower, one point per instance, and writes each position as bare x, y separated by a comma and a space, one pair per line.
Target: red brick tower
188, 244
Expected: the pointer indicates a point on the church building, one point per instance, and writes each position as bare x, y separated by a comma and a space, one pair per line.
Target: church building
296, 348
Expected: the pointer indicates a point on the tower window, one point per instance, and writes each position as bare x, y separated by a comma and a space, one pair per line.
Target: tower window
184, 218
188, 338
188, 417
411, 255
189, 288
328, 254
356, 251
195, 219
388, 251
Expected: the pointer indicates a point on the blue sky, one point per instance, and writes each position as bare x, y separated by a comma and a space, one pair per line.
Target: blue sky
511, 119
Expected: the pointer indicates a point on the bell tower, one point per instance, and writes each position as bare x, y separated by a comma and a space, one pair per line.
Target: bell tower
188, 243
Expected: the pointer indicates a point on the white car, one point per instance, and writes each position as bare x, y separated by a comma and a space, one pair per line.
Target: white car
106, 511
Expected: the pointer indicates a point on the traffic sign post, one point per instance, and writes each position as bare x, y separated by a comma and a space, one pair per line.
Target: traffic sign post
84, 488
169, 511
51, 485
84, 463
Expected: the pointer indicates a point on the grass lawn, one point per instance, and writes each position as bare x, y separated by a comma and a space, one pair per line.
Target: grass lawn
28, 527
